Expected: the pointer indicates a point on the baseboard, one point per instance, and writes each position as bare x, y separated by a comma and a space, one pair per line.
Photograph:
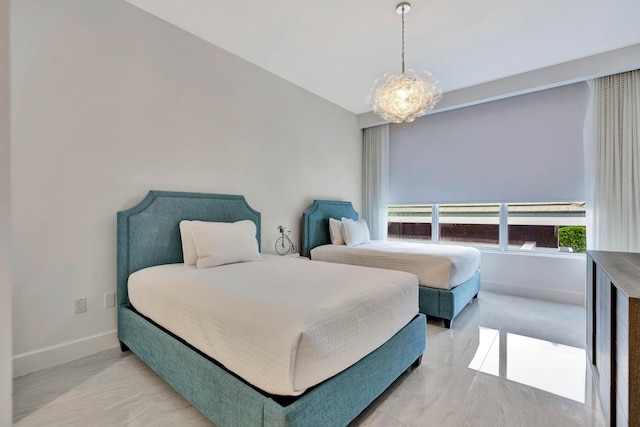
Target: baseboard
557, 295
54, 355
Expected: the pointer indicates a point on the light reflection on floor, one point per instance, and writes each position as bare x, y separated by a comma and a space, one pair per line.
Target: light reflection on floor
556, 368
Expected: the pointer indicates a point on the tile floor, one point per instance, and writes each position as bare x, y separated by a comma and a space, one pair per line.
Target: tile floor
507, 361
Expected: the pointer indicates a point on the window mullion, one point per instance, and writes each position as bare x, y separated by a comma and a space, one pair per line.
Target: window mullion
435, 223
503, 233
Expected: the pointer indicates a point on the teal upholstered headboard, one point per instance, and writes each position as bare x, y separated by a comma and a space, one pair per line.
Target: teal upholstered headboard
149, 233
315, 222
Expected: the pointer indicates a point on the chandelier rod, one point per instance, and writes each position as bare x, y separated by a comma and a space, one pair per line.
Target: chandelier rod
402, 39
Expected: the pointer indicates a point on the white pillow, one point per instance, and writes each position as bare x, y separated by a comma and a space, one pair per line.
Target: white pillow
219, 243
355, 232
189, 253
335, 232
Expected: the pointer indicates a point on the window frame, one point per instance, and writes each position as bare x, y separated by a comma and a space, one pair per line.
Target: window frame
503, 231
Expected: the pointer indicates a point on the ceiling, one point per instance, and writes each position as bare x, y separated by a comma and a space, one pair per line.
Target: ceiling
338, 49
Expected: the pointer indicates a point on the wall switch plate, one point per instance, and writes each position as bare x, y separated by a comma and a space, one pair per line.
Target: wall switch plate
109, 300
79, 305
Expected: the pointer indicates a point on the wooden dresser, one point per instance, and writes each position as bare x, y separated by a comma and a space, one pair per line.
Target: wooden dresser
613, 333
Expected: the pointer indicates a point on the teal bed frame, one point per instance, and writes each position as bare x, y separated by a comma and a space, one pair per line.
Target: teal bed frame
148, 235
440, 303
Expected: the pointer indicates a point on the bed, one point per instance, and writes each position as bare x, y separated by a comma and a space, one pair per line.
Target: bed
149, 239
438, 297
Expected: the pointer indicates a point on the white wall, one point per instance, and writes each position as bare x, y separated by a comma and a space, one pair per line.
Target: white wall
5, 276
110, 102
559, 278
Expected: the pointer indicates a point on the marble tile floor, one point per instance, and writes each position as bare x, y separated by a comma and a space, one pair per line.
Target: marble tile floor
507, 361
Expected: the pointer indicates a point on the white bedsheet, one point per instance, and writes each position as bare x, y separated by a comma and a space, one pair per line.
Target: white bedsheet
282, 324
437, 266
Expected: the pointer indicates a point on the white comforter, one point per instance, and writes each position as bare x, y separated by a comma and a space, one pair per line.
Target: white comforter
282, 324
437, 266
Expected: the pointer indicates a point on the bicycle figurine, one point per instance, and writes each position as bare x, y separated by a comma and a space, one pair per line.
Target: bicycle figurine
284, 245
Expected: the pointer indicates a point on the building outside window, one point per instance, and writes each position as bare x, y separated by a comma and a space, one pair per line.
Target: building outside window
470, 224
410, 222
539, 227
547, 227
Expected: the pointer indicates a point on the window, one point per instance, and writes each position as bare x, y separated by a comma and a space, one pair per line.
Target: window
474, 224
410, 222
547, 227
541, 227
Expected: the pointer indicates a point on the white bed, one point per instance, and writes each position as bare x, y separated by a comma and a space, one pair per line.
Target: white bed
282, 324
437, 266
449, 275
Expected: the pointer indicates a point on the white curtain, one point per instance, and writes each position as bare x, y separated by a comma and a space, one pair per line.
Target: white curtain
375, 180
616, 163
589, 178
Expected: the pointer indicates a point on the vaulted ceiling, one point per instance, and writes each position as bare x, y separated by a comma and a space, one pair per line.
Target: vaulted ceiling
338, 49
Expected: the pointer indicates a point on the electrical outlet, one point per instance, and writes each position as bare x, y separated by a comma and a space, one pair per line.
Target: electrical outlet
109, 300
79, 305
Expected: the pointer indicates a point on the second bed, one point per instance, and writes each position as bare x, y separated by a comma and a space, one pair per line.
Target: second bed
449, 276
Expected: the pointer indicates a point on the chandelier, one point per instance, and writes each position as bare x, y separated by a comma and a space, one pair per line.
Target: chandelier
407, 96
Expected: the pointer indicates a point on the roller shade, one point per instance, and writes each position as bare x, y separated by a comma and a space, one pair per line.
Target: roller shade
527, 148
